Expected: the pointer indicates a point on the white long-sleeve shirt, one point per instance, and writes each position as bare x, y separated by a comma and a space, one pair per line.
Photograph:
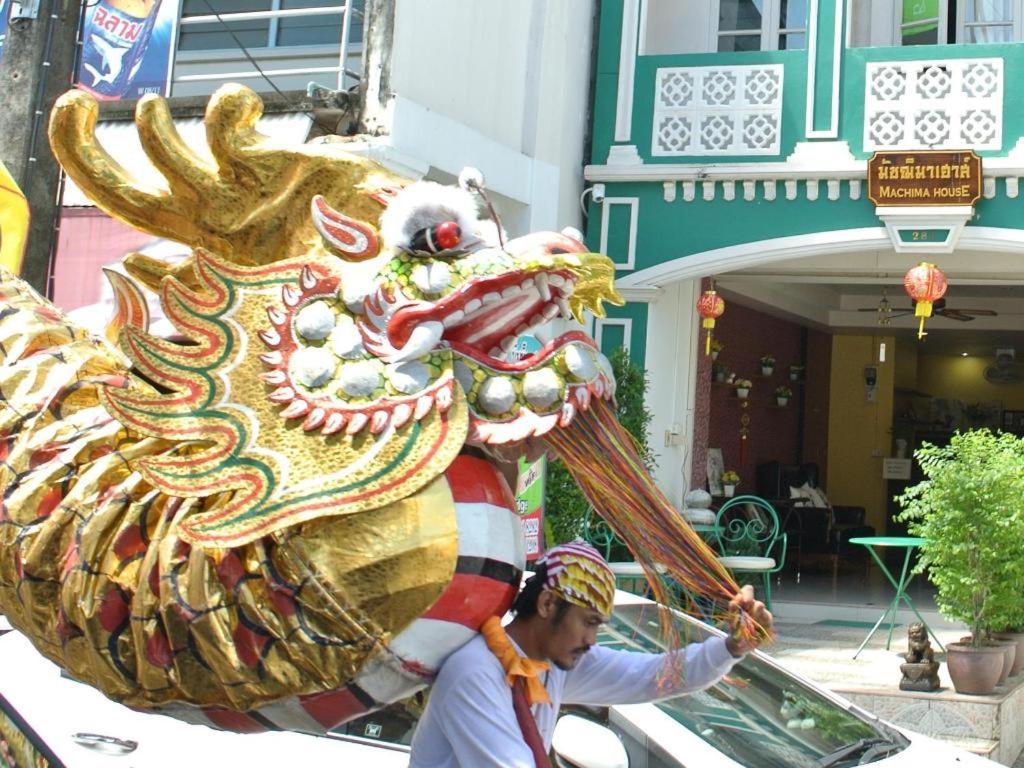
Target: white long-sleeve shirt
470, 723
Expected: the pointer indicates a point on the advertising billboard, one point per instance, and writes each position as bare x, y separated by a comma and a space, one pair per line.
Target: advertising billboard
128, 48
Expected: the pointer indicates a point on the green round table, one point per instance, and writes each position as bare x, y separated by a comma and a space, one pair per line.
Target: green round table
909, 543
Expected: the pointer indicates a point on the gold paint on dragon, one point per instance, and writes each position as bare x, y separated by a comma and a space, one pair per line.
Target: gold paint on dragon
256, 513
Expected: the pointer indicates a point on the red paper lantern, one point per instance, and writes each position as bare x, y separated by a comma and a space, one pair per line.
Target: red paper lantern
925, 284
710, 307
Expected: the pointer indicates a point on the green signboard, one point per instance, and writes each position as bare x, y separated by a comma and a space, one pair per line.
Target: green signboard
920, 16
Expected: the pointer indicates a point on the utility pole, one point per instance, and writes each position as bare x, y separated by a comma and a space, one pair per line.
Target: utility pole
37, 66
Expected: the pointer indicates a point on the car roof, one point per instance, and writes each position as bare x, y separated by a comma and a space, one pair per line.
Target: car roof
57, 707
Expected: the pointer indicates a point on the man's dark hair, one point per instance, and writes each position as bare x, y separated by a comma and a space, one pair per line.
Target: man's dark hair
525, 605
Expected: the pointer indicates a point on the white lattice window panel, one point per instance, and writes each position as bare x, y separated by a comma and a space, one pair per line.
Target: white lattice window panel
725, 110
949, 104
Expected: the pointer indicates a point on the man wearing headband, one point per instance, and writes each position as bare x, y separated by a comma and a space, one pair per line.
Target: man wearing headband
496, 700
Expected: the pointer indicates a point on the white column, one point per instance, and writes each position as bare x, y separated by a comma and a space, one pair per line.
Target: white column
672, 337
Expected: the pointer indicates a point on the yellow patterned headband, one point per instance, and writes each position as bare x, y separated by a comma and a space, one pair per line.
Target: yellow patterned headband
577, 573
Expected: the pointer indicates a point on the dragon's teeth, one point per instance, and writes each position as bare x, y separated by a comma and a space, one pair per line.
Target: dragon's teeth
272, 358
308, 279
550, 311
454, 318
568, 411
495, 352
542, 286
473, 305
356, 423
563, 307
401, 415
527, 284
537, 320
275, 378
270, 337
277, 317
490, 298
507, 343
512, 290
583, 397
556, 280
444, 399
282, 395
295, 409
379, 422
522, 328
290, 295
334, 423
314, 419
423, 406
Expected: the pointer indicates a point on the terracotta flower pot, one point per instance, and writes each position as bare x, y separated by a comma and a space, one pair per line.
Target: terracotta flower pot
1010, 650
1018, 662
974, 670
1009, 655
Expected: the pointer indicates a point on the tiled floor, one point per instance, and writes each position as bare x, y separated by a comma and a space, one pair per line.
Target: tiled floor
854, 584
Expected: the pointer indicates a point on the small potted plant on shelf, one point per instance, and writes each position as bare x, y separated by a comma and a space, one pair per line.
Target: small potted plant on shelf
782, 395
742, 388
968, 511
729, 482
796, 373
716, 347
719, 372
767, 365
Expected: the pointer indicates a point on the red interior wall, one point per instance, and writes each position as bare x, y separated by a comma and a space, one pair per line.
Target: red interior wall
746, 335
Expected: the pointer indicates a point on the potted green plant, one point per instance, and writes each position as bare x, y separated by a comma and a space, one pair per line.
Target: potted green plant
719, 371
969, 512
716, 348
782, 395
742, 388
796, 373
729, 482
767, 365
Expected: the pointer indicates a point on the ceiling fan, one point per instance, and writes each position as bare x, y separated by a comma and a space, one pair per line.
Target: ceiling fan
886, 311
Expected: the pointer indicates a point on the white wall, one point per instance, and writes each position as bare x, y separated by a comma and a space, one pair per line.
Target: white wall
672, 338
511, 79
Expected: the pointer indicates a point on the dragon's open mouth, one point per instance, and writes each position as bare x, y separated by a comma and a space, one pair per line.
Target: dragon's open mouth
482, 319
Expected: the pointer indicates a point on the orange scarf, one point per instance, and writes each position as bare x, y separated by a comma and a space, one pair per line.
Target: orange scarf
515, 666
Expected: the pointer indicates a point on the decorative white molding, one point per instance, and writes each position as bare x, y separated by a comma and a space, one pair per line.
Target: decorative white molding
634, 207
749, 189
834, 189
812, 45
790, 186
600, 323
668, 191
769, 190
640, 294
708, 189
855, 189
627, 70
988, 187
948, 104
1012, 188
762, 252
812, 189
689, 191
723, 110
625, 155
729, 190
951, 218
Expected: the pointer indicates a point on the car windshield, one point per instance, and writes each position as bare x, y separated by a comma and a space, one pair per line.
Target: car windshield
759, 716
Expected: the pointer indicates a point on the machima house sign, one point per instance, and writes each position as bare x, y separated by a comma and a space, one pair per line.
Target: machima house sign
927, 177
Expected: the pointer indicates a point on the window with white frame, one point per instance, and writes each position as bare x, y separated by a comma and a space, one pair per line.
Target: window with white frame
762, 25
932, 22
267, 23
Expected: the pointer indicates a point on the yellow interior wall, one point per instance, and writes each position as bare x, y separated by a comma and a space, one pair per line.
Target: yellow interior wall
905, 363
962, 378
859, 431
